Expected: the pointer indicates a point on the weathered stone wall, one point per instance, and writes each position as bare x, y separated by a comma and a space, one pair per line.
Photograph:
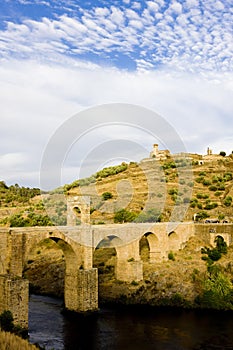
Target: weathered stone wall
81, 202
129, 271
14, 295
4, 251
87, 290
208, 232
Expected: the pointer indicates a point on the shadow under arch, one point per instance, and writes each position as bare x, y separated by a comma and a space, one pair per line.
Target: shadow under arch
173, 235
55, 264
105, 257
173, 241
148, 247
220, 243
77, 212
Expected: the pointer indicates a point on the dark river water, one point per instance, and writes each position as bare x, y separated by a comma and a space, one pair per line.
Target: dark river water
137, 329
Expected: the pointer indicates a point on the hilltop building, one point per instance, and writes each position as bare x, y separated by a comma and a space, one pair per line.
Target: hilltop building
159, 155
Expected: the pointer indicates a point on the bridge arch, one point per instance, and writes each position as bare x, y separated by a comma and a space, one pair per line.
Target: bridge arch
73, 256
173, 241
149, 247
105, 256
224, 236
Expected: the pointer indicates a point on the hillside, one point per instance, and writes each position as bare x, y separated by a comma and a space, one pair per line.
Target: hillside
147, 191
155, 186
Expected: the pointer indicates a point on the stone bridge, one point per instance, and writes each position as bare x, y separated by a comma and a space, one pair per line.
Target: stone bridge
78, 244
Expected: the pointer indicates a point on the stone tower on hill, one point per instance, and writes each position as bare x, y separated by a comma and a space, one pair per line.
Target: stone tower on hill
160, 155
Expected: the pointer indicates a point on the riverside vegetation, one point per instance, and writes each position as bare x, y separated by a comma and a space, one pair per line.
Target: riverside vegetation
11, 336
196, 276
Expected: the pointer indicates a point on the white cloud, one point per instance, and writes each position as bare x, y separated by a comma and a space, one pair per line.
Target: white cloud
176, 7
32, 109
12, 160
117, 16
192, 3
102, 11
105, 31
136, 24
183, 55
152, 6
136, 5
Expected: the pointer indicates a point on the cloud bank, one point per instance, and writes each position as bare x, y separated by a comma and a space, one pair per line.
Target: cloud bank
65, 56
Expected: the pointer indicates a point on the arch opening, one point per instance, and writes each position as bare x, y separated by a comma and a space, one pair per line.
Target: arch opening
220, 244
77, 211
148, 247
144, 249
47, 264
172, 235
105, 258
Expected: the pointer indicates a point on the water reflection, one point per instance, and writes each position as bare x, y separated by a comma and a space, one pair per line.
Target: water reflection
131, 329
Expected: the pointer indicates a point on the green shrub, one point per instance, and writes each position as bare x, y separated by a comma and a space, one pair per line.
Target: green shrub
173, 191
221, 187
206, 182
217, 194
221, 216
130, 260
6, 321
215, 254
210, 206
134, 283
171, 256
151, 215
221, 244
199, 179
202, 215
113, 170
124, 215
227, 201
228, 176
32, 219
213, 188
217, 292
222, 153
106, 196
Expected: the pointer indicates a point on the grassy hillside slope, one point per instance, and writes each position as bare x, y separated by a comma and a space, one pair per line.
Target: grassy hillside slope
149, 190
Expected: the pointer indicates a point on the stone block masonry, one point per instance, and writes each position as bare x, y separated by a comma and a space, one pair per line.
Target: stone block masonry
14, 296
87, 289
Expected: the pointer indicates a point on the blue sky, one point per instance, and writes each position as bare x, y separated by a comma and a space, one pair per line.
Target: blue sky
186, 35
60, 57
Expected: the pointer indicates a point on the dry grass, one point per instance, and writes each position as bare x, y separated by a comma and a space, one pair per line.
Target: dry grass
10, 341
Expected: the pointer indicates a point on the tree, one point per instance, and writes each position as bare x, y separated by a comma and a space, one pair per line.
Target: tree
151, 215
227, 201
221, 244
6, 321
222, 153
107, 195
201, 215
124, 215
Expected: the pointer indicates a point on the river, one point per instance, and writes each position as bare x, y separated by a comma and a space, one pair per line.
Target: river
115, 328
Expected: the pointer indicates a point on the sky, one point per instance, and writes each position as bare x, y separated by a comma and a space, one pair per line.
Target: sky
60, 58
